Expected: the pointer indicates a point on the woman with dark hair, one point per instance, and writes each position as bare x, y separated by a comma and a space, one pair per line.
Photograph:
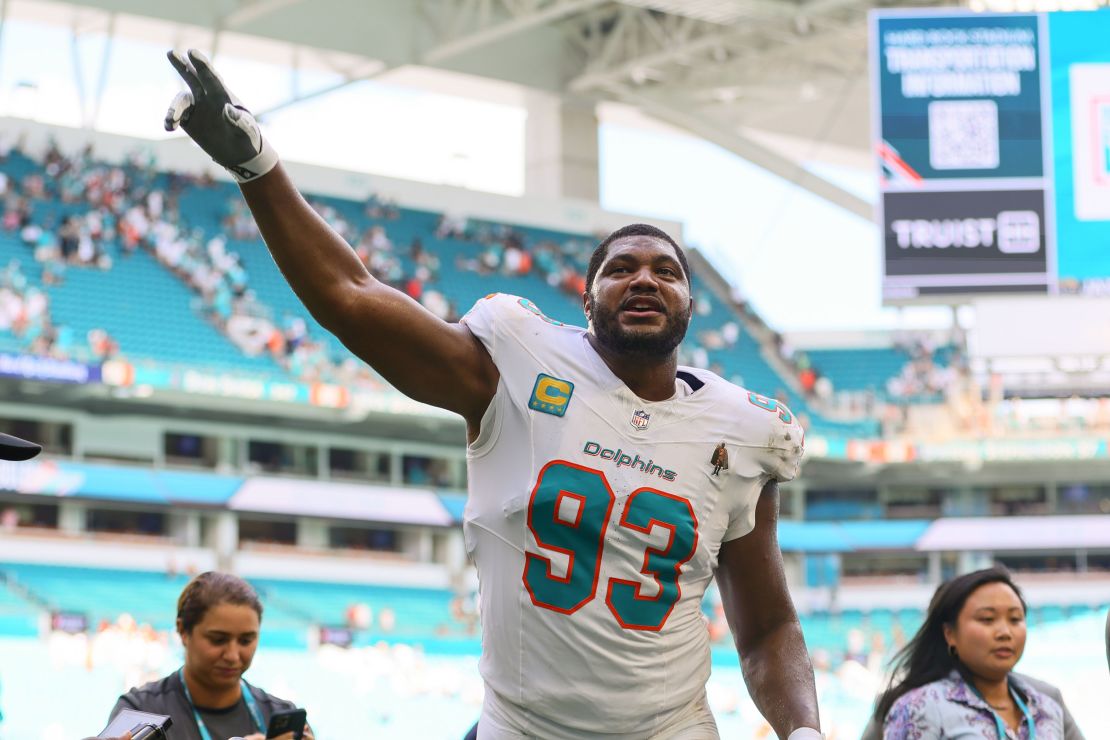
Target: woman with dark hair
218, 618
955, 678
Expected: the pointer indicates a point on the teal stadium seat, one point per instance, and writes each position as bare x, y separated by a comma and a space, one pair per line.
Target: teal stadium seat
101, 594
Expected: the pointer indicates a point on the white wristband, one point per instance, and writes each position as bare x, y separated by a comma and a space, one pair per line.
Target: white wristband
806, 733
254, 168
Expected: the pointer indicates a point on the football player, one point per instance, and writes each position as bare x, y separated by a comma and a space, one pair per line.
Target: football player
594, 518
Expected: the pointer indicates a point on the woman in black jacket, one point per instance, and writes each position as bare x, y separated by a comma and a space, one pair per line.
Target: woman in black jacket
218, 618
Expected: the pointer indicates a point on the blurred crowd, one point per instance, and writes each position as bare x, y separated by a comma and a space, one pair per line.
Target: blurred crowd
93, 200
73, 212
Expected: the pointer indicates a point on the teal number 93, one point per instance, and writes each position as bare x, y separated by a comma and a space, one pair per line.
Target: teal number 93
770, 404
569, 513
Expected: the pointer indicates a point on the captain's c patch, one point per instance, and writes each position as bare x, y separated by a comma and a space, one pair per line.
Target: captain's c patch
551, 395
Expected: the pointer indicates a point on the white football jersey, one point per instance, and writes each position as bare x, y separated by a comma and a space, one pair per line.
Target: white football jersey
594, 519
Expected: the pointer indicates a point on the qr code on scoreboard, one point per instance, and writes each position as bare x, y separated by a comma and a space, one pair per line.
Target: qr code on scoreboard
963, 135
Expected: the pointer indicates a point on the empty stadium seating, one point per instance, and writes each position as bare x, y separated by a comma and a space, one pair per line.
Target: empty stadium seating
417, 612
870, 369
149, 597
859, 369
291, 608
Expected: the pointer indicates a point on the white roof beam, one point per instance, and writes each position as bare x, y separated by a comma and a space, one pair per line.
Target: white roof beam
379, 69
639, 41
538, 14
251, 11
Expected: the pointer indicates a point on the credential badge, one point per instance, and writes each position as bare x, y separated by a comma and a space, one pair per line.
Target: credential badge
641, 419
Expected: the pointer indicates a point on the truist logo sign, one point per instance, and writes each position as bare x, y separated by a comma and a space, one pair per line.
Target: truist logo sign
1012, 232
968, 241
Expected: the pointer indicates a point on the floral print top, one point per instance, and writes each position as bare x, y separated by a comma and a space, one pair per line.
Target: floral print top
949, 709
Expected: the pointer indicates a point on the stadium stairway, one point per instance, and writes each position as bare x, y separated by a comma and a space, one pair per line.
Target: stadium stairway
19, 610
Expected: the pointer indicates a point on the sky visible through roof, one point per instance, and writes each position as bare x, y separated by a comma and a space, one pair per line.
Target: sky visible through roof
803, 264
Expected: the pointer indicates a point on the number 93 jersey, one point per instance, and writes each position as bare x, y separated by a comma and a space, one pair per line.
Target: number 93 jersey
594, 519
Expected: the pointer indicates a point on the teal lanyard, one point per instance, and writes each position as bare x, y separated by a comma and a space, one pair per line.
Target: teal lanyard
248, 699
1000, 725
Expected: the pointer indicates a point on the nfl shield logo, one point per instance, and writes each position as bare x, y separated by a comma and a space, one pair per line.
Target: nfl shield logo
640, 419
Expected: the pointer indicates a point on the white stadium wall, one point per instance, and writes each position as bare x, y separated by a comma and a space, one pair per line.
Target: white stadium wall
1041, 327
338, 569
113, 551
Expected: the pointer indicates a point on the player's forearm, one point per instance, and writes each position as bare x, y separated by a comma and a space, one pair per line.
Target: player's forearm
779, 676
319, 265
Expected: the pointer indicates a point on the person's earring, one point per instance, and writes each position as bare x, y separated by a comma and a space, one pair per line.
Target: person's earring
952, 651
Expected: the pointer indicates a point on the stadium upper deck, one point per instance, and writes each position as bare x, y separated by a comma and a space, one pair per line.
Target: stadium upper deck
151, 361
125, 264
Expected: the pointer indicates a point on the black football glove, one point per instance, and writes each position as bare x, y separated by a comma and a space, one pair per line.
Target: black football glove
215, 119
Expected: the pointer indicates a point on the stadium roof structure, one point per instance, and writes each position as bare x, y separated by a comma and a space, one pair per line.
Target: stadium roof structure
779, 83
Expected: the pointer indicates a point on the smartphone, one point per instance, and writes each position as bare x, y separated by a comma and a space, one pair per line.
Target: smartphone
289, 720
135, 721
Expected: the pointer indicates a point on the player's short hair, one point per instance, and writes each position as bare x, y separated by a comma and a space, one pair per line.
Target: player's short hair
632, 230
211, 589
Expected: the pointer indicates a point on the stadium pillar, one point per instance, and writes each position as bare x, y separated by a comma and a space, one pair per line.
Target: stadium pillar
794, 566
560, 148
458, 472
797, 494
969, 561
227, 453
323, 465
185, 528
312, 533
425, 546
396, 468
417, 544
1051, 497
935, 574
71, 517
224, 538
455, 553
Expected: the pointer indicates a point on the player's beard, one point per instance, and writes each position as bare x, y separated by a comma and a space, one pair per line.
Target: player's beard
660, 343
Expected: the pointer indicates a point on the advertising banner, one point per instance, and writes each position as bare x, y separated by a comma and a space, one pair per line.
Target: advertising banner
961, 143
974, 241
960, 97
971, 109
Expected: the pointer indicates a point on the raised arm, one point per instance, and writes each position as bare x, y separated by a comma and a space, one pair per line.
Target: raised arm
424, 357
764, 624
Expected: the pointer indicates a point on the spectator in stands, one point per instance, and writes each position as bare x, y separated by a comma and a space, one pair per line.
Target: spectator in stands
218, 619
955, 678
102, 345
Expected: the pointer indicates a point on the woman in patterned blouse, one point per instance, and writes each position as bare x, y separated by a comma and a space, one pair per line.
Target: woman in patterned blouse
954, 680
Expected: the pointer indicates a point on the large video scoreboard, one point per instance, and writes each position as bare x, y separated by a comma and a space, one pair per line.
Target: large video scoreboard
992, 138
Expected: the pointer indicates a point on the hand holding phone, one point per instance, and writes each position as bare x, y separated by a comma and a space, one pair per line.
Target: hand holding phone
289, 720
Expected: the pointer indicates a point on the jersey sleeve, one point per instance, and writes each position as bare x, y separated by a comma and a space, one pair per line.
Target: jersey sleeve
786, 447
510, 328
485, 320
773, 443
501, 321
